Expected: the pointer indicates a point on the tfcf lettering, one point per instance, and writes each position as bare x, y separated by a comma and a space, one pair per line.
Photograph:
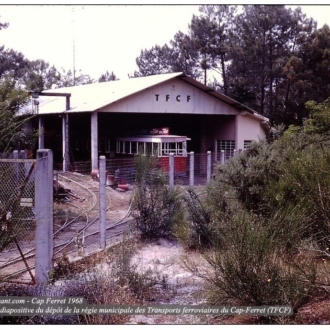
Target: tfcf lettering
178, 98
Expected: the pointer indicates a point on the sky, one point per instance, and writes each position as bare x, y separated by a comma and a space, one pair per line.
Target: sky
100, 38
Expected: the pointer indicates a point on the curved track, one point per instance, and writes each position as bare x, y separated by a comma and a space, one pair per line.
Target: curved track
75, 229
76, 225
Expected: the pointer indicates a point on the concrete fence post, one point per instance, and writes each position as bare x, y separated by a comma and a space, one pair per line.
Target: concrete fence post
102, 200
222, 157
208, 167
171, 170
94, 140
44, 215
191, 168
235, 152
22, 155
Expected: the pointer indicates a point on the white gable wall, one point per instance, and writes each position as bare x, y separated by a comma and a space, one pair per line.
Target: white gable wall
173, 96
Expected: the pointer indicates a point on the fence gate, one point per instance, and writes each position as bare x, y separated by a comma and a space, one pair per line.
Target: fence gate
17, 218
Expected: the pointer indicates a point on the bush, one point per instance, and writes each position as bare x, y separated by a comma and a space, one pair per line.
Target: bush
260, 210
196, 230
252, 268
203, 220
305, 181
156, 206
247, 174
293, 170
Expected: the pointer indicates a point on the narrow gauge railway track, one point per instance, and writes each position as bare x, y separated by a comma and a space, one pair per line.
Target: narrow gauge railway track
77, 234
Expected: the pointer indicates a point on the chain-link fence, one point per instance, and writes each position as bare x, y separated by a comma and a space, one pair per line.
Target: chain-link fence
200, 168
17, 212
122, 170
17, 198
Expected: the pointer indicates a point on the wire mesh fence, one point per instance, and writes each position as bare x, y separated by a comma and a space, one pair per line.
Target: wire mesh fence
18, 211
17, 214
17, 191
122, 170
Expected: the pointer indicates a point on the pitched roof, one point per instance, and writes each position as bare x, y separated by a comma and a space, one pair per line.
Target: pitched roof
95, 96
91, 97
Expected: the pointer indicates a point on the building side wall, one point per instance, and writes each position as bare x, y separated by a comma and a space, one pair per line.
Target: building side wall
248, 129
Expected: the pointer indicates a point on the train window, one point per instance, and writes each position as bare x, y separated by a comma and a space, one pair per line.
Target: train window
172, 147
120, 147
152, 145
155, 149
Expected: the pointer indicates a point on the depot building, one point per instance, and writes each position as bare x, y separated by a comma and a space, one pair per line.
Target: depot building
167, 112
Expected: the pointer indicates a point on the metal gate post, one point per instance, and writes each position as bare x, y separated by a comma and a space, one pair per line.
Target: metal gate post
44, 215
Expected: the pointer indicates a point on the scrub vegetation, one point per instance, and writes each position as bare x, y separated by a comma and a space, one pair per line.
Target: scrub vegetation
263, 225
266, 215
157, 207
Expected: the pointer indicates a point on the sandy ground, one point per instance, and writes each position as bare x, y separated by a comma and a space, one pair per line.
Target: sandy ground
182, 287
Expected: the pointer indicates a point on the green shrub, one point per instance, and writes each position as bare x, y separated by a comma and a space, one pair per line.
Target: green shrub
156, 206
198, 226
204, 218
305, 181
293, 170
261, 210
248, 173
252, 268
